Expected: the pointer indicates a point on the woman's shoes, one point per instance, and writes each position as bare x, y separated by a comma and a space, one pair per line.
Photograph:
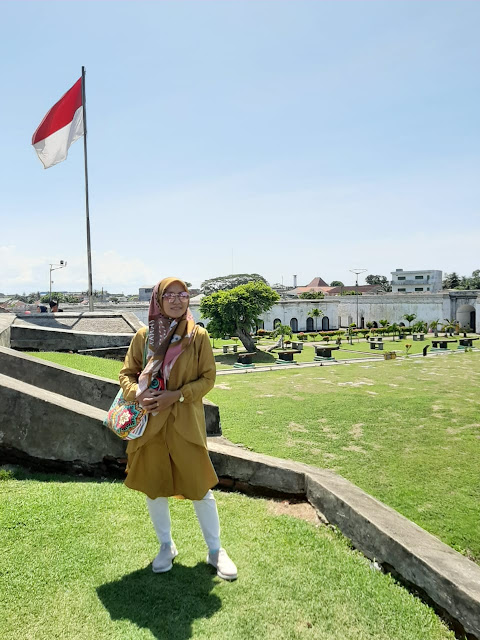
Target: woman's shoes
163, 560
225, 567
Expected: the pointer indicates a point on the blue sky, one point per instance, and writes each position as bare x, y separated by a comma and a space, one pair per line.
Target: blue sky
275, 137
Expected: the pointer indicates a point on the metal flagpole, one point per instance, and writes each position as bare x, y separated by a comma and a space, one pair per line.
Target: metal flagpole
89, 254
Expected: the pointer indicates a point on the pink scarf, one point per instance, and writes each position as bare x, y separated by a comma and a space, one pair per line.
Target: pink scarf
167, 337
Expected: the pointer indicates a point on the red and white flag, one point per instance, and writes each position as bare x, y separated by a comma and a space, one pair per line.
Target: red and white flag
60, 127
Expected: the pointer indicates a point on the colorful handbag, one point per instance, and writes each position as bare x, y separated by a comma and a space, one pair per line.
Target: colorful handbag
128, 419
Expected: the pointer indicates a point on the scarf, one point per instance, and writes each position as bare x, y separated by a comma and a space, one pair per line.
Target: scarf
167, 338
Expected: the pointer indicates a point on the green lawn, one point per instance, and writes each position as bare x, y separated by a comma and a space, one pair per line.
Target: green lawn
407, 432
75, 565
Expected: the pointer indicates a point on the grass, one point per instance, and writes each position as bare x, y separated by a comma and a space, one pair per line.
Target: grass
72, 571
406, 432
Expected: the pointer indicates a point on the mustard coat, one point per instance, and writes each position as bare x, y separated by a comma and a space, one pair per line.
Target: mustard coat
180, 428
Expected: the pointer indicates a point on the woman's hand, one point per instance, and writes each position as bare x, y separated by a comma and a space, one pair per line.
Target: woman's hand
154, 400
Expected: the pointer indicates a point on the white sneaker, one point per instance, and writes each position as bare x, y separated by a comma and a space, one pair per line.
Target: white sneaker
163, 560
225, 567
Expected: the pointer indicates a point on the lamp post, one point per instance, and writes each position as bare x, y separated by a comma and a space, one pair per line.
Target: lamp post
53, 267
357, 272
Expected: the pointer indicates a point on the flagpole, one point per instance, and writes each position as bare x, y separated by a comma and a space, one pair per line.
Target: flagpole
89, 254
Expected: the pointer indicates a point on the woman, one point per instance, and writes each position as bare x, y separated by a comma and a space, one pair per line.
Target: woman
171, 457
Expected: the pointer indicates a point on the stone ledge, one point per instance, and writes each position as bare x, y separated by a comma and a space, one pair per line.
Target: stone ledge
79, 386
448, 579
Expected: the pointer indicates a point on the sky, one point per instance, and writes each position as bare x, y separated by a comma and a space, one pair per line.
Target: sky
272, 137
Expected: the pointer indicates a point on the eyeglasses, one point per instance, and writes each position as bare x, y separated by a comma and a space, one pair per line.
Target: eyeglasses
171, 297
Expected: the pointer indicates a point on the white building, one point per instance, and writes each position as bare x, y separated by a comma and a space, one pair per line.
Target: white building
427, 281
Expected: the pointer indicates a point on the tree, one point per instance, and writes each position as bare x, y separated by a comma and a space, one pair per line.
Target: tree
475, 279
336, 283
282, 330
312, 295
434, 326
223, 283
380, 280
236, 311
384, 323
451, 280
409, 317
315, 313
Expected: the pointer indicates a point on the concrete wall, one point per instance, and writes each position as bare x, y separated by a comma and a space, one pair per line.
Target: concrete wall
82, 387
6, 320
45, 339
342, 310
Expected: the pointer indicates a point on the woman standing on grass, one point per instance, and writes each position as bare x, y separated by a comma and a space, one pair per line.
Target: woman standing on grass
171, 457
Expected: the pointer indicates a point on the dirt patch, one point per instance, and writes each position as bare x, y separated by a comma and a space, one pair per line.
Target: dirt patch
223, 386
293, 426
302, 510
354, 448
356, 431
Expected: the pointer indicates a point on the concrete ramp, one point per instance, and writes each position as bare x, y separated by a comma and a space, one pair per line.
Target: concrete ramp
40, 425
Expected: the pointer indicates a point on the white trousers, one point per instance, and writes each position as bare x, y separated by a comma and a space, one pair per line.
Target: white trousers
207, 515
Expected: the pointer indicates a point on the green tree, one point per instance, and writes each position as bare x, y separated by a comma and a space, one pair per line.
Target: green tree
223, 283
282, 330
336, 283
380, 280
384, 323
451, 280
434, 326
315, 313
410, 317
312, 295
56, 295
475, 279
236, 311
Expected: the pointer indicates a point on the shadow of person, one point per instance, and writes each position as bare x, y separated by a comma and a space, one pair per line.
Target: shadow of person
167, 603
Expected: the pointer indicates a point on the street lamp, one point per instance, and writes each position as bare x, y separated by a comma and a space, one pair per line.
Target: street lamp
356, 272
53, 267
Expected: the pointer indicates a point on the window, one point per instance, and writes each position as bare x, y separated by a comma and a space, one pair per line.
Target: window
418, 288
400, 290
418, 277
401, 277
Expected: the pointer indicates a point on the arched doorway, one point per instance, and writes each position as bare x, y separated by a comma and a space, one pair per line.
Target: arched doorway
362, 323
325, 323
374, 325
294, 325
466, 316
309, 324
276, 322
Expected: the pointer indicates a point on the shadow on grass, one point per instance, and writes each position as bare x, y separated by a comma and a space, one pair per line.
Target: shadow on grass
166, 604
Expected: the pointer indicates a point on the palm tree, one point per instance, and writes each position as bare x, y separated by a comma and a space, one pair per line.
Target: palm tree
410, 317
384, 323
282, 330
315, 313
434, 326
450, 326
394, 328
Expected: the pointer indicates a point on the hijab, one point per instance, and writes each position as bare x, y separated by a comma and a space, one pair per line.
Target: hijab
167, 337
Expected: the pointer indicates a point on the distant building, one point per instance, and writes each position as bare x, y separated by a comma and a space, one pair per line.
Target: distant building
427, 281
145, 293
318, 285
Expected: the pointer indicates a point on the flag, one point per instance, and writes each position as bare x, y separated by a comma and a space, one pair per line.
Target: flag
60, 127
